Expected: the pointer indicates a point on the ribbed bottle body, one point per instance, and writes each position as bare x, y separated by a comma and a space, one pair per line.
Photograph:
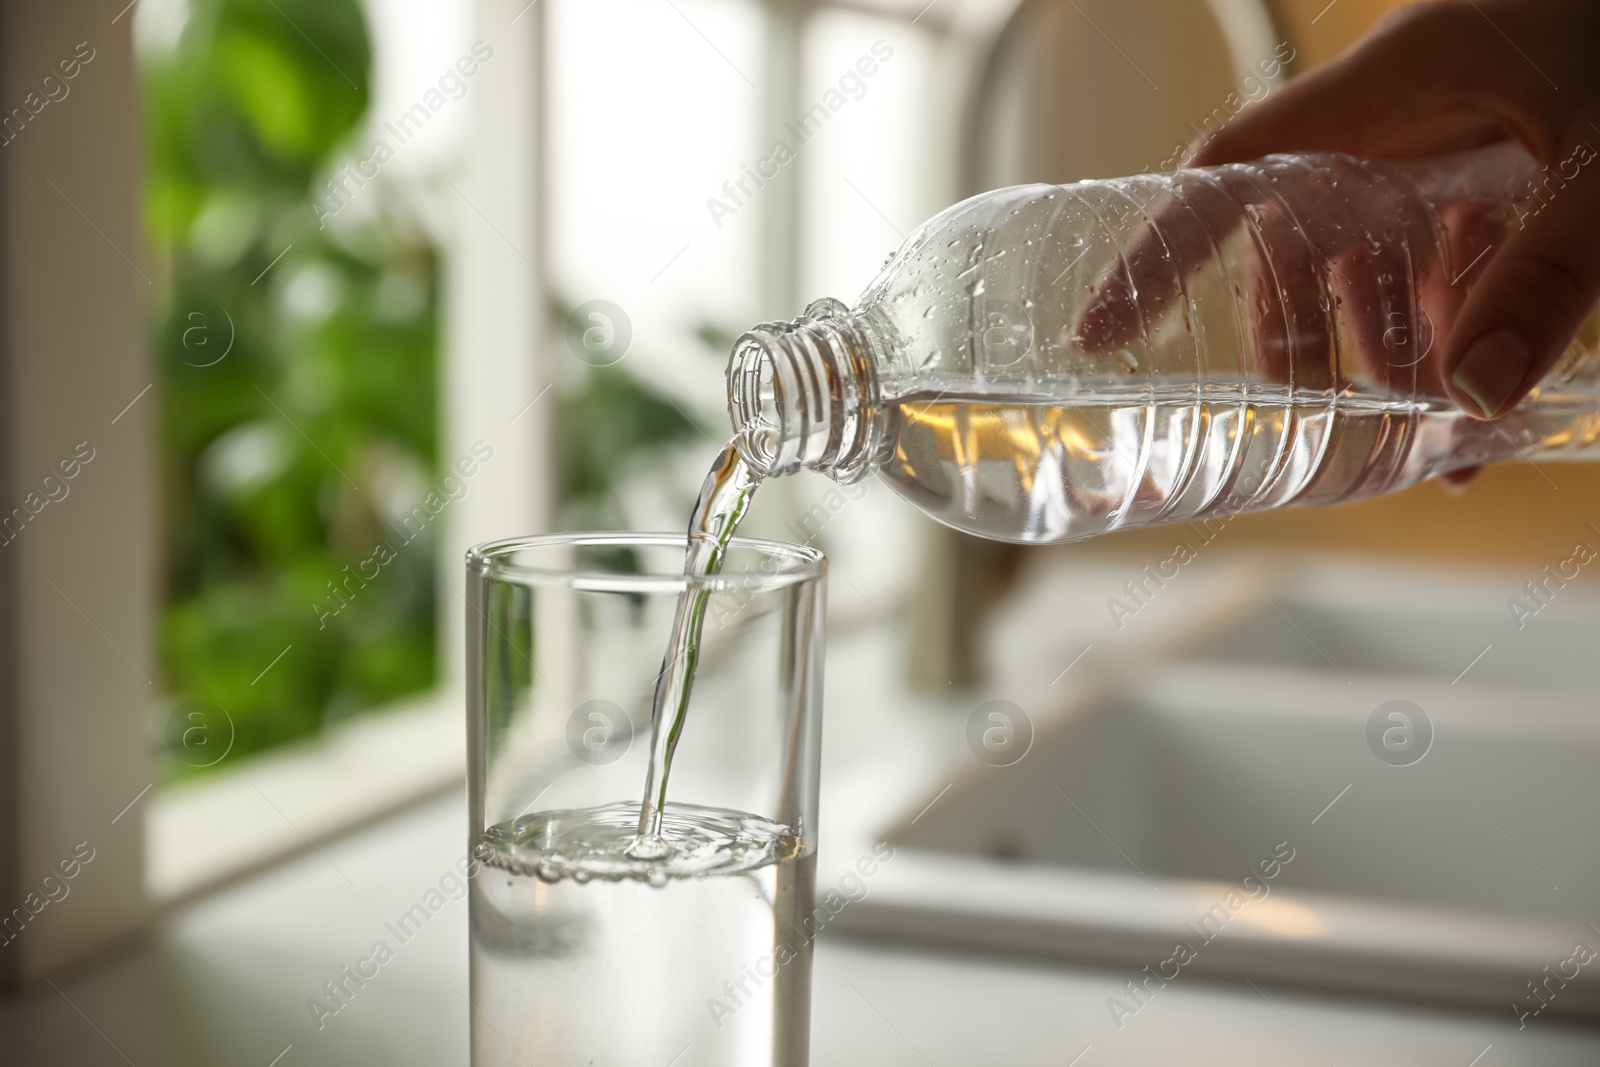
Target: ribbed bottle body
1054, 362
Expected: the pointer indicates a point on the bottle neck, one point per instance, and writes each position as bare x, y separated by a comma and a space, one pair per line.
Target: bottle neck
805, 394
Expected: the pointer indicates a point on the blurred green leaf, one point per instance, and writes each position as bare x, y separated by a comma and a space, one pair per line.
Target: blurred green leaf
716, 338
298, 375
298, 403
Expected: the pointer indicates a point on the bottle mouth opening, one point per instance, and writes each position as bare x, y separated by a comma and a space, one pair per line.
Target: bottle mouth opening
803, 394
755, 400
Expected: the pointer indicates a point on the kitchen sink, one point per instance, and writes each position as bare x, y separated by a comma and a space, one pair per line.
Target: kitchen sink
1369, 785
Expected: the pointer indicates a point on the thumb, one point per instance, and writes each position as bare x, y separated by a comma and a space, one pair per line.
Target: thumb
1534, 294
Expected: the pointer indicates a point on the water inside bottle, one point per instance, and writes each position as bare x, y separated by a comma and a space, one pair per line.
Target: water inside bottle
1022, 468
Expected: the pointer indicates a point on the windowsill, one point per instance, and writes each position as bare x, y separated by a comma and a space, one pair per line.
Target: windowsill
205, 834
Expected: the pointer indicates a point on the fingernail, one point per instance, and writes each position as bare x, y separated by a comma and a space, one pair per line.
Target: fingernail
1492, 368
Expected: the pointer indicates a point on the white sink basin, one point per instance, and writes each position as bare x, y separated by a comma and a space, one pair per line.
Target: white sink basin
1132, 827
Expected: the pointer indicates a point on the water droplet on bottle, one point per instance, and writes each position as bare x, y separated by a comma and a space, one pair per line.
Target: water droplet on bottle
656, 877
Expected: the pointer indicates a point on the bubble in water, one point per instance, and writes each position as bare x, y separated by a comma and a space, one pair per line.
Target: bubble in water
602, 844
643, 849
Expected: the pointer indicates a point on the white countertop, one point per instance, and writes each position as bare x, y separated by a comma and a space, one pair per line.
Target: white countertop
225, 983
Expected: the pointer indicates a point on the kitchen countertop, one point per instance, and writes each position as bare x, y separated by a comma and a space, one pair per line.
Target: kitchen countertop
225, 981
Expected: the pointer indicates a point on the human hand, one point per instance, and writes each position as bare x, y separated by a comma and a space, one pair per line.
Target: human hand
1337, 282
1450, 75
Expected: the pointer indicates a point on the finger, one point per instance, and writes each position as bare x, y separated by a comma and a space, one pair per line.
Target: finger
1379, 344
1472, 231
1532, 296
1143, 276
1394, 302
1276, 276
1180, 233
1432, 121
1303, 225
1291, 336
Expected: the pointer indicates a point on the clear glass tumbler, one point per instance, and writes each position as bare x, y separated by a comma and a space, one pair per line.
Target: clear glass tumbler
582, 954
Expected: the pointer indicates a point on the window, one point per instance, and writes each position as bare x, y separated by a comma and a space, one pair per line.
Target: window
302, 161
722, 162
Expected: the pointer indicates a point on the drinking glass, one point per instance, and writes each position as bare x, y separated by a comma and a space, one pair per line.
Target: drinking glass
582, 954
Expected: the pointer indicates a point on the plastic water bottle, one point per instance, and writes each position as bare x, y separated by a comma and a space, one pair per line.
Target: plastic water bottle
1047, 363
